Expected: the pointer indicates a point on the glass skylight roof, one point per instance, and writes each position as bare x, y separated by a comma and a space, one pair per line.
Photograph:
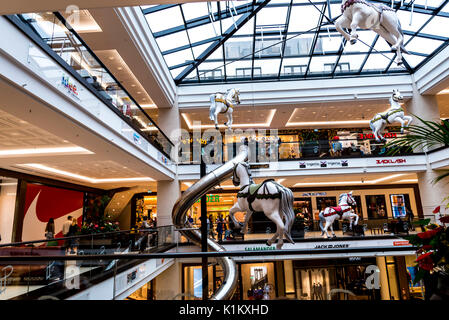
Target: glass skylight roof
287, 39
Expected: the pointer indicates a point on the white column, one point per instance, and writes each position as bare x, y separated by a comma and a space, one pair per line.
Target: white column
167, 194
432, 194
168, 191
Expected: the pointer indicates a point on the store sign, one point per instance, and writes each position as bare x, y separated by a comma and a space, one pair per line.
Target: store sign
363, 136
136, 139
390, 161
311, 194
324, 164
264, 248
211, 198
332, 246
401, 243
259, 166
69, 85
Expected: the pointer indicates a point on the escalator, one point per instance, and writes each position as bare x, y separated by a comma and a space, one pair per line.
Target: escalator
53, 273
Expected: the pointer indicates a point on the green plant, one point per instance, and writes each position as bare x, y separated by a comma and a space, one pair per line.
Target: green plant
433, 247
426, 135
103, 225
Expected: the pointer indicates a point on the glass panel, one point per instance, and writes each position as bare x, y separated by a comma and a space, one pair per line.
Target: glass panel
376, 206
239, 69
298, 46
179, 57
204, 32
294, 66
377, 62
229, 22
211, 70
417, 20
198, 50
194, 10
413, 60
272, 16
423, 45
367, 37
239, 47
304, 18
323, 64
268, 67
352, 62
437, 26
172, 41
165, 19
328, 44
246, 29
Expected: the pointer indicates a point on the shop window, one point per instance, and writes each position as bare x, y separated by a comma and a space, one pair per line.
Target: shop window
193, 282
258, 281
376, 206
398, 205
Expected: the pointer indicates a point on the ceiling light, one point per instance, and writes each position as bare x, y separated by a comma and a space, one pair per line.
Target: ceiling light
445, 91
326, 123
84, 178
238, 125
349, 182
43, 151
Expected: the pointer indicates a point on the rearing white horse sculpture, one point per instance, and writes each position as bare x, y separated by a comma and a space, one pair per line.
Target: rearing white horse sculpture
269, 197
223, 103
343, 211
377, 17
394, 114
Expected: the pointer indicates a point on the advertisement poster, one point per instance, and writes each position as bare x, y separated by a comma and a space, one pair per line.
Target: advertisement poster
42, 203
398, 205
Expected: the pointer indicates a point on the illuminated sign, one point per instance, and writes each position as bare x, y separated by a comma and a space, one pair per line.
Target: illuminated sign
69, 85
390, 161
211, 198
363, 136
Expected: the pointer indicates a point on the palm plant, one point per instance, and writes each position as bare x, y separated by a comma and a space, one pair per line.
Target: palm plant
424, 136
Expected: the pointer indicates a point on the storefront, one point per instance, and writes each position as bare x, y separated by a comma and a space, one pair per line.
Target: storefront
354, 278
306, 143
375, 206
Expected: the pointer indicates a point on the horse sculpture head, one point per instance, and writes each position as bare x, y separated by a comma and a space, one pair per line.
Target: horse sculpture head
235, 95
350, 199
397, 96
236, 174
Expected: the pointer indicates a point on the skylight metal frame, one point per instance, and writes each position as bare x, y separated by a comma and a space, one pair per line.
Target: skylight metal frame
250, 9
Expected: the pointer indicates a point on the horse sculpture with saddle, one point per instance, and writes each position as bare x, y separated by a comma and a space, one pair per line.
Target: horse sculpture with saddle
269, 197
377, 17
342, 211
223, 103
394, 114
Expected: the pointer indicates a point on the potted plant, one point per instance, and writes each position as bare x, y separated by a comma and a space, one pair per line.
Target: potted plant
433, 257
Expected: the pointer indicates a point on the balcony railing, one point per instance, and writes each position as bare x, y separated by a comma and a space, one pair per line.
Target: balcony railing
52, 34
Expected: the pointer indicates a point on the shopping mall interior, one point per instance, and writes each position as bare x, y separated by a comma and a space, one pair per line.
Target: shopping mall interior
224, 150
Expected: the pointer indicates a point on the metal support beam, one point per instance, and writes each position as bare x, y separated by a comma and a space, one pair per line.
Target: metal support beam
231, 30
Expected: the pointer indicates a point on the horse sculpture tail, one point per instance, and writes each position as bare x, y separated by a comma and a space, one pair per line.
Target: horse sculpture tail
286, 210
213, 106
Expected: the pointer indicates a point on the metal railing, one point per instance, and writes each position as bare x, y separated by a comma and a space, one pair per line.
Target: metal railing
52, 34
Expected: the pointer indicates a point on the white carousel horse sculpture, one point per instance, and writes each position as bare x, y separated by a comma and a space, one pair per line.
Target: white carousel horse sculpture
377, 17
343, 211
223, 103
269, 197
394, 114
